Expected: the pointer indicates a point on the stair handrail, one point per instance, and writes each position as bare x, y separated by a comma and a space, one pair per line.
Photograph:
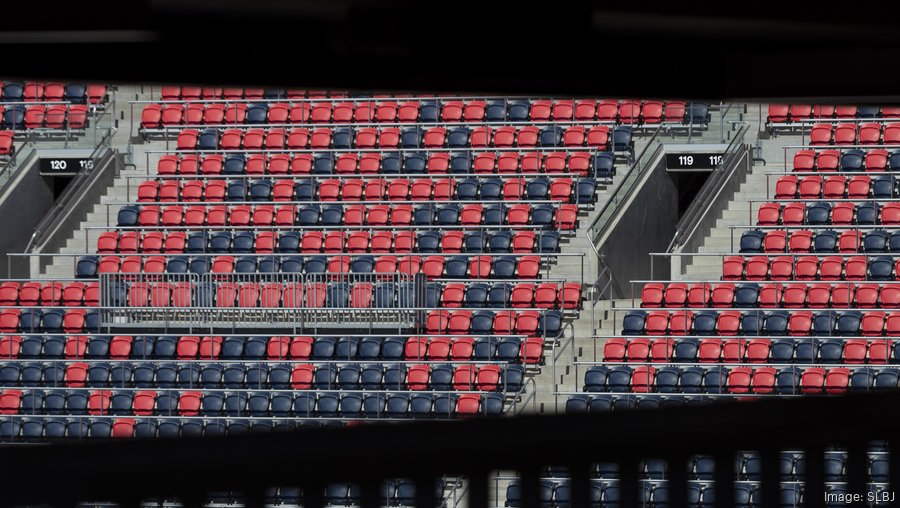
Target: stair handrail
74, 192
623, 190
711, 190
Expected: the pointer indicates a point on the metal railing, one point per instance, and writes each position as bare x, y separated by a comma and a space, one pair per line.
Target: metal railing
622, 192
313, 300
75, 190
712, 189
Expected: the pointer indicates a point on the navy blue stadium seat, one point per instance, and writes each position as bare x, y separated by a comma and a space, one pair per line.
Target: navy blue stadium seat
853, 160
323, 164
875, 241
603, 165
234, 164
551, 136
621, 138
128, 216
633, 322
475, 241
236, 191
411, 137
500, 242
466, 190
208, 140
818, 214
787, 380
867, 214
491, 189
457, 137
305, 190
883, 187
86, 267
746, 295
415, 163
585, 191
825, 241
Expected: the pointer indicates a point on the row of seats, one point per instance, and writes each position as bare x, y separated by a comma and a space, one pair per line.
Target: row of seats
76, 93
748, 466
435, 266
787, 113
47, 294
259, 376
36, 429
850, 323
656, 495
822, 241
561, 189
211, 93
545, 295
873, 159
548, 295
772, 295
392, 138
739, 380
821, 213
808, 268
330, 242
423, 111
564, 216
872, 133
61, 116
582, 163
32, 319
275, 348
760, 350
699, 494
831, 187
255, 404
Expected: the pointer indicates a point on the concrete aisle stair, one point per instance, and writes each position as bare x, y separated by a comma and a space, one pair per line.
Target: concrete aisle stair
569, 268
64, 265
741, 211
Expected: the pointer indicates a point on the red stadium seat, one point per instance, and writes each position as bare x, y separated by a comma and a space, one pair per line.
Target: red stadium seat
879, 351
869, 133
837, 380
800, 241
770, 295
638, 350
614, 350
804, 160
652, 295
821, 134
800, 323
763, 380
709, 350
733, 268
681, 322
733, 350
828, 160
817, 296
778, 113
739, 380
642, 379
699, 295
661, 350
812, 380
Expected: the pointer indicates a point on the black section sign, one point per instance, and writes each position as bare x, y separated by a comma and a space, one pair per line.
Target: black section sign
65, 165
689, 161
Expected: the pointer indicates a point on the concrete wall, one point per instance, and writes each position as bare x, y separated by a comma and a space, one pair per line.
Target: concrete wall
30, 197
647, 225
75, 205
